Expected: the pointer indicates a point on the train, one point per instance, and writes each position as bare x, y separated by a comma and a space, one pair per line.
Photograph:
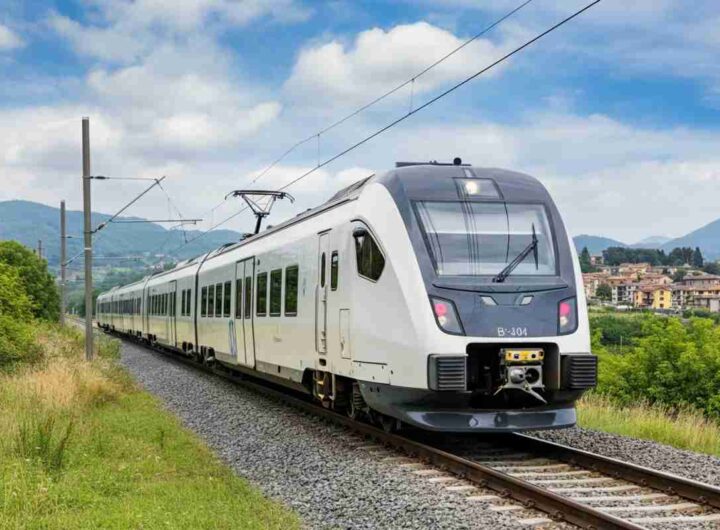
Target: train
447, 297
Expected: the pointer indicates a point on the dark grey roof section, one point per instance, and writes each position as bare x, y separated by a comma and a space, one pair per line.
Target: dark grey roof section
348, 190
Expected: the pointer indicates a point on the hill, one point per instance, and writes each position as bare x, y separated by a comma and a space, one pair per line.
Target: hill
595, 244
651, 242
706, 237
29, 222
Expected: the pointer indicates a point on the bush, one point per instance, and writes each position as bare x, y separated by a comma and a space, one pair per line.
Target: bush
17, 336
35, 279
671, 363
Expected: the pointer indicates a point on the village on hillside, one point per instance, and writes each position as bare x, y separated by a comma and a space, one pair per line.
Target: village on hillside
649, 285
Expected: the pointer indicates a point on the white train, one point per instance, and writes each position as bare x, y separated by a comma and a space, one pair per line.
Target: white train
447, 297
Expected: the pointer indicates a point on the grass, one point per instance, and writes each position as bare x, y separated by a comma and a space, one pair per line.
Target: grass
684, 429
82, 447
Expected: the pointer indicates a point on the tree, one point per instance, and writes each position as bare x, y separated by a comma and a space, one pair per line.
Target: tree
37, 282
697, 258
585, 261
712, 267
603, 291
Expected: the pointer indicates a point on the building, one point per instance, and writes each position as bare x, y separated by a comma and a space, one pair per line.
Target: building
653, 297
700, 281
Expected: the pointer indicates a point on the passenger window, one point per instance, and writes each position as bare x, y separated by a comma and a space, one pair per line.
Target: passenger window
227, 299
291, 291
238, 298
275, 292
261, 295
211, 301
218, 299
322, 270
203, 302
182, 302
370, 261
248, 296
189, 302
334, 263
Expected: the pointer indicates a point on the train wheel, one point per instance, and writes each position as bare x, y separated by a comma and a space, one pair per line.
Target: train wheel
356, 406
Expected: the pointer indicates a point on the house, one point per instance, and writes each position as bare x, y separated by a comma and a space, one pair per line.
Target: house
700, 280
653, 297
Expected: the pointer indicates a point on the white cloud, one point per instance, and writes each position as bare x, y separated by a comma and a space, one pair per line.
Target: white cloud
9, 40
377, 60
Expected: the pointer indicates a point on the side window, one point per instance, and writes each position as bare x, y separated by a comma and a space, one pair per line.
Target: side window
275, 292
203, 302
218, 299
322, 270
261, 306
248, 296
334, 264
238, 298
211, 301
183, 299
291, 291
370, 261
227, 299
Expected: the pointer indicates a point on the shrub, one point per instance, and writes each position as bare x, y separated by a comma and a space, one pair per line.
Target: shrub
671, 363
35, 279
17, 337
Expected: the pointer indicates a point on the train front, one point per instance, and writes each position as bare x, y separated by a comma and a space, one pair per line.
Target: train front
510, 350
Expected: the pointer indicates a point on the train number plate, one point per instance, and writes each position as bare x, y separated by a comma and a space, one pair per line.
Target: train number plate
512, 332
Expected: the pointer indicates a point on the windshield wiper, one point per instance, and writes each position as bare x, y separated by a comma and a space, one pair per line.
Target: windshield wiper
532, 247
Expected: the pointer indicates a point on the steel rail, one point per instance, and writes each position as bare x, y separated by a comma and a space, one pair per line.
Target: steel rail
700, 492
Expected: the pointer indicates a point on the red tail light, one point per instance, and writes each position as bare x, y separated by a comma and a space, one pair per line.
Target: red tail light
446, 316
567, 316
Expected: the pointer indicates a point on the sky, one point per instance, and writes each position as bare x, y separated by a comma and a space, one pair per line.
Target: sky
617, 112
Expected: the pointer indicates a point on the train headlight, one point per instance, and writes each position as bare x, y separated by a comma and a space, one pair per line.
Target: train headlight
446, 316
567, 316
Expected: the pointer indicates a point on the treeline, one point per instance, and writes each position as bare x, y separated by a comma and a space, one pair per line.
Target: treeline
27, 294
677, 257
662, 360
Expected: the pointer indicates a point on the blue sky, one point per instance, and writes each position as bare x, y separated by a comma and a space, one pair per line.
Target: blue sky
618, 112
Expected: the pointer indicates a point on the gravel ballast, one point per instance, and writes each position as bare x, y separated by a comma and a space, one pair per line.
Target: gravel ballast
319, 470
330, 476
695, 466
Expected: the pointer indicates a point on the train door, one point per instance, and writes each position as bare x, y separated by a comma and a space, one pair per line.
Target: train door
321, 298
243, 322
172, 314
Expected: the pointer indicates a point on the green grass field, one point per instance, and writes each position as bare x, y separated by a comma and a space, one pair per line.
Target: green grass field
82, 447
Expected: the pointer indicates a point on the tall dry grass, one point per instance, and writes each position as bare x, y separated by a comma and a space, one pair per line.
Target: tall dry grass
684, 427
40, 403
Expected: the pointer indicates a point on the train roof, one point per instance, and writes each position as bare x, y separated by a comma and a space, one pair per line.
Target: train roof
412, 176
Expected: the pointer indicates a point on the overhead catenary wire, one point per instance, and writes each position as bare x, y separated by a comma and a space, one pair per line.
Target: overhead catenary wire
410, 113
389, 93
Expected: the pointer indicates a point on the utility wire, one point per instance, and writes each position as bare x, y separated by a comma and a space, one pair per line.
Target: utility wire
442, 95
410, 112
389, 93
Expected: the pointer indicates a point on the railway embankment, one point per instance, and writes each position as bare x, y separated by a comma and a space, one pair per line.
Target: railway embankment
82, 446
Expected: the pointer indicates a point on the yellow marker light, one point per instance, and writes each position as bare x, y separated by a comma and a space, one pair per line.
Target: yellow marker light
514, 355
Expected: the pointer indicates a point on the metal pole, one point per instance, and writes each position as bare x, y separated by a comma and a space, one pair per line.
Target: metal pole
88, 239
63, 265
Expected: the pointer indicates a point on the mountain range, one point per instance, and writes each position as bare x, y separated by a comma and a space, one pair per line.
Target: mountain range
29, 222
706, 237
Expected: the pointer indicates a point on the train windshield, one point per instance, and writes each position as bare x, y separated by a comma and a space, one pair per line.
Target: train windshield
481, 238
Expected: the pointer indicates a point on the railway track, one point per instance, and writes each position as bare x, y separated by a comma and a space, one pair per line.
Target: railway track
569, 485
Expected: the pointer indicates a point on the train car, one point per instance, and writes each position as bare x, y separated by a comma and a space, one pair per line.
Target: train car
446, 297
